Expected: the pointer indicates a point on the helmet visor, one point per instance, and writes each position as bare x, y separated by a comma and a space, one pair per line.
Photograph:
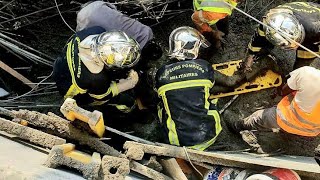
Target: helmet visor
118, 54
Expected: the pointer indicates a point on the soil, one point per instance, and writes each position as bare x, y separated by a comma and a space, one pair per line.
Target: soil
50, 36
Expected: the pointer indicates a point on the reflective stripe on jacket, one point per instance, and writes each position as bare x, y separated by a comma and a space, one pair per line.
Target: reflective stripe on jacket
74, 80
214, 5
293, 120
188, 118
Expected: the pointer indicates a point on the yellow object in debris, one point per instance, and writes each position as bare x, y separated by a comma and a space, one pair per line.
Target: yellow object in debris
24, 123
268, 80
72, 111
69, 151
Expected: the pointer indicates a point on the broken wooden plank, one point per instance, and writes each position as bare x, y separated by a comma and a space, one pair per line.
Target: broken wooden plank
17, 75
303, 165
173, 168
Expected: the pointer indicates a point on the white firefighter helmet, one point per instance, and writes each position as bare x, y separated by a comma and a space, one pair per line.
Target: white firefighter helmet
286, 23
185, 42
116, 49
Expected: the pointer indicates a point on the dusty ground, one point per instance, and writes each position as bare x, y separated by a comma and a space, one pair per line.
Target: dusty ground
46, 37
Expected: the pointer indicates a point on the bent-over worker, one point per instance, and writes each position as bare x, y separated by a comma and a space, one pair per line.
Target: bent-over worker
297, 113
211, 18
106, 15
89, 67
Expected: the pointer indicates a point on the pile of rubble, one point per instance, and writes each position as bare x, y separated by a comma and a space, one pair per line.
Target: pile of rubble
105, 162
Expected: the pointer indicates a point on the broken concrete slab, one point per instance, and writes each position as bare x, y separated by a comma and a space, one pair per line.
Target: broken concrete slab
62, 128
23, 162
114, 167
30, 134
305, 166
66, 155
154, 164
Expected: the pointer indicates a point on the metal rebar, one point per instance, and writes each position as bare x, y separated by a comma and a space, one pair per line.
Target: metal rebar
28, 47
6, 5
35, 12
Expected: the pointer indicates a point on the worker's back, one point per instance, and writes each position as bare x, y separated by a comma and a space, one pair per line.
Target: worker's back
186, 113
103, 14
298, 113
306, 80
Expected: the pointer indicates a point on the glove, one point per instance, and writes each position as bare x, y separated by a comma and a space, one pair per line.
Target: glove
129, 83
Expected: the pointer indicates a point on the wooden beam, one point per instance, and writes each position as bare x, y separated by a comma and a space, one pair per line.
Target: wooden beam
17, 75
173, 169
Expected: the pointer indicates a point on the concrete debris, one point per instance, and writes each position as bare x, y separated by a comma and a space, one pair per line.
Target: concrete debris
154, 164
66, 155
150, 173
63, 128
29, 134
302, 165
135, 153
114, 167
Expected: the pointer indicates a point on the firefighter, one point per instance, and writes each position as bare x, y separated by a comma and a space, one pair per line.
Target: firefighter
211, 18
297, 113
187, 115
106, 15
300, 21
90, 66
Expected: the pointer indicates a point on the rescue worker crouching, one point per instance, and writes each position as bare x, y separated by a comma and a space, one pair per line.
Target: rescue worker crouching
188, 117
211, 18
106, 15
297, 21
89, 67
298, 111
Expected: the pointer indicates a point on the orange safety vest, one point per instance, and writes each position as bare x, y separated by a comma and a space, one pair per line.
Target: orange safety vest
294, 120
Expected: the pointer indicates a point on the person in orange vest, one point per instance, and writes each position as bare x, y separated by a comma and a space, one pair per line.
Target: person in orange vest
211, 18
297, 113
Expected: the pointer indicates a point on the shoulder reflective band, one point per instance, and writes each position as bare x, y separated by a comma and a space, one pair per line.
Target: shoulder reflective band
74, 88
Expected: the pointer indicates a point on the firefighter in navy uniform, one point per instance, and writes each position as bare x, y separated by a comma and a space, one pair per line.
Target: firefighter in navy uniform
301, 23
186, 113
89, 68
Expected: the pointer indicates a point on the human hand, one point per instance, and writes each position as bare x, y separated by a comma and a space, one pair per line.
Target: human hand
218, 39
247, 63
133, 76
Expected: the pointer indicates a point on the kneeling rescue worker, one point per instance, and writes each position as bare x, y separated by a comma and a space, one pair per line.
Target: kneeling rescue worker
297, 113
300, 21
211, 18
188, 117
88, 68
